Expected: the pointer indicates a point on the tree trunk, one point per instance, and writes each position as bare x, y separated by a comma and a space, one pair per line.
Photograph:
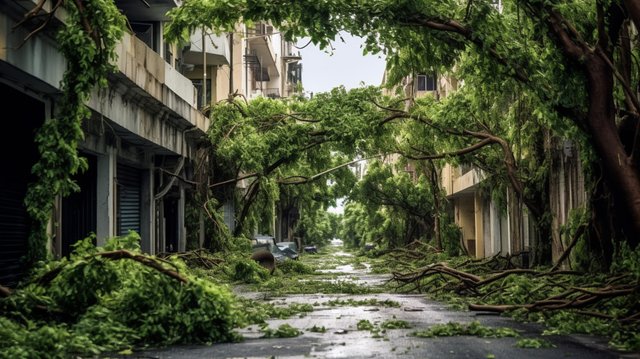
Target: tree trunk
435, 189
602, 229
620, 173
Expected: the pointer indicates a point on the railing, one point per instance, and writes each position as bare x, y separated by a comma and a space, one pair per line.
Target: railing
272, 92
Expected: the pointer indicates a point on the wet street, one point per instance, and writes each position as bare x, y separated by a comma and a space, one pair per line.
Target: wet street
332, 330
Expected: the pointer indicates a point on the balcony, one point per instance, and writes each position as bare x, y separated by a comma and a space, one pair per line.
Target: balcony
156, 104
261, 46
467, 182
214, 52
147, 10
272, 92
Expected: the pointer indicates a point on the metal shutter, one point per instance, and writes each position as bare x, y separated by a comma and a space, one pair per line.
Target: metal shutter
14, 230
129, 196
79, 209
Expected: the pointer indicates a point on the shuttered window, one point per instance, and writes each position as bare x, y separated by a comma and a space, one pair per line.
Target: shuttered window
129, 199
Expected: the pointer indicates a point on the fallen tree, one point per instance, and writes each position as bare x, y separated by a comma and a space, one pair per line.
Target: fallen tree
105, 299
566, 301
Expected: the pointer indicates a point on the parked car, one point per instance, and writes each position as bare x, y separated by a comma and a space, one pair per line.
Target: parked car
268, 244
290, 249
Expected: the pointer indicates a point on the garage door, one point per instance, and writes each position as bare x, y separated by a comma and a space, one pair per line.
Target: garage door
129, 199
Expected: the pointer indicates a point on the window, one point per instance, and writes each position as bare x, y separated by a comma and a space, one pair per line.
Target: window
149, 33
294, 73
198, 85
426, 83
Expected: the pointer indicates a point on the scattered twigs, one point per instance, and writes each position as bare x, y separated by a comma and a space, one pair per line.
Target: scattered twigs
575, 299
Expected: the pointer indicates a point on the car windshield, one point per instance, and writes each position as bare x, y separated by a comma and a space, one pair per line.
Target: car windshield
291, 245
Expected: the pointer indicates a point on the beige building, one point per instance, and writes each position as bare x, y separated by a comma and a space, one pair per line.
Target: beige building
487, 229
143, 134
252, 61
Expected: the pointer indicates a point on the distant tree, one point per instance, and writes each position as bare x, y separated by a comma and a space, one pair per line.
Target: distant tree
286, 151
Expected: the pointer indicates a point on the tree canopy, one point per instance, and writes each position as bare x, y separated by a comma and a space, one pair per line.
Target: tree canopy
570, 64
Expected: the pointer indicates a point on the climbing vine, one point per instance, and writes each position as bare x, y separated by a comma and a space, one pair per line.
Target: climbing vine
87, 40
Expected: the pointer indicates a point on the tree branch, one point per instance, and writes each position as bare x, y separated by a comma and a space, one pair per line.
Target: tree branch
234, 180
460, 152
455, 27
305, 179
579, 231
147, 261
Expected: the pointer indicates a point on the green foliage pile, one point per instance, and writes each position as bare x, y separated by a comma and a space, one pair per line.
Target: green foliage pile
283, 331
474, 329
223, 267
257, 312
295, 267
364, 324
248, 271
317, 329
378, 330
282, 285
92, 303
534, 343
363, 302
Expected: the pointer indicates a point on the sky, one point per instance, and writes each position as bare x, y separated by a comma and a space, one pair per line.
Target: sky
322, 71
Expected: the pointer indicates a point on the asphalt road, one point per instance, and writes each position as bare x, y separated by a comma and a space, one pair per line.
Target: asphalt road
342, 339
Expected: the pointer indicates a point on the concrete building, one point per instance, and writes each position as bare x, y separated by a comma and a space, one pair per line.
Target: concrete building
144, 132
252, 61
140, 138
486, 228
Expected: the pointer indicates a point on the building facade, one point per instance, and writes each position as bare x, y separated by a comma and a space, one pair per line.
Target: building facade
488, 229
140, 139
144, 132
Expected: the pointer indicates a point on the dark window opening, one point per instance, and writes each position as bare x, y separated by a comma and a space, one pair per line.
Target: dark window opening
198, 85
426, 83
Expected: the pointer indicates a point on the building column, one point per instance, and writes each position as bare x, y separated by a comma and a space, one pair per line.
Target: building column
147, 217
478, 219
106, 193
182, 230
496, 236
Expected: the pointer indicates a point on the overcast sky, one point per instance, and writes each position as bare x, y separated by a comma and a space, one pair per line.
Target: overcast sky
347, 66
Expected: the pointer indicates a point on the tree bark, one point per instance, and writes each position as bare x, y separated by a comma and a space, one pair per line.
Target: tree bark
620, 173
435, 188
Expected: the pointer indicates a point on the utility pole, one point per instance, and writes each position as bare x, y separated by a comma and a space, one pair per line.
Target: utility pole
231, 62
204, 70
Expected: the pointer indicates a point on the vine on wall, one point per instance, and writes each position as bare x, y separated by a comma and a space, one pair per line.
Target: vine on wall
87, 40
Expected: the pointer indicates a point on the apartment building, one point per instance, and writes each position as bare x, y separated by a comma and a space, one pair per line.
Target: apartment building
252, 61
140, 138
488, 229
143, 134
